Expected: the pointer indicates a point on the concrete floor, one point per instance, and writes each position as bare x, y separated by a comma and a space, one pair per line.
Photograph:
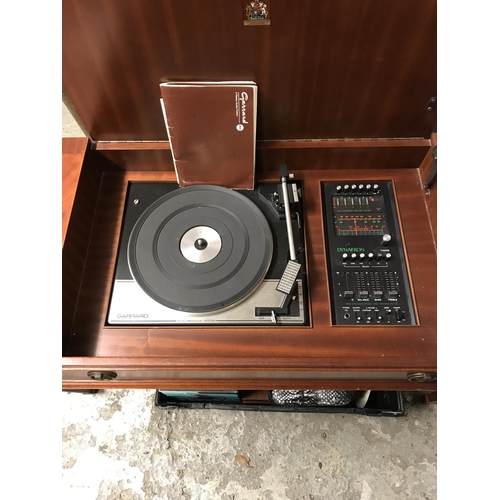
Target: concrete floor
117, 445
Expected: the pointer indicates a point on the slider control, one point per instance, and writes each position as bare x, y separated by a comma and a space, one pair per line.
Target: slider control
400, 315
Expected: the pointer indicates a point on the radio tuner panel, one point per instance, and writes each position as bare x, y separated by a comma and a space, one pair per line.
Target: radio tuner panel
367, 271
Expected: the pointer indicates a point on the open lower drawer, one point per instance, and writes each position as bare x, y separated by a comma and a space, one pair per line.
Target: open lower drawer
375, 403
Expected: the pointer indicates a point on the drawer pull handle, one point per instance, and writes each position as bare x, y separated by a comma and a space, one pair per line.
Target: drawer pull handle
102, 375
421, 377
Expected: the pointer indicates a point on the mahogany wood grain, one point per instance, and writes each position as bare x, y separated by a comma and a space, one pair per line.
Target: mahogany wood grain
343, 143
350, 158
353, 157
428, 160
139, 159
283, 144
79, 186
298, 154
73, 153
131, 145
349, 68
204, 383
162, 373
258, 350
431, 194
432, 211
80, 190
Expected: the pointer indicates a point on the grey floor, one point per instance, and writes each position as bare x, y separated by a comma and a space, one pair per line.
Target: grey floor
117, 445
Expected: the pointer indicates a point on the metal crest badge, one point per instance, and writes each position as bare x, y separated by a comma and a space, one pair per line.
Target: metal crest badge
256, 13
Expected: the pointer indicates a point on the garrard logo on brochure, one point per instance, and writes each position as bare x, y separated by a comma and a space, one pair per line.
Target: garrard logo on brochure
211, 128
241, 108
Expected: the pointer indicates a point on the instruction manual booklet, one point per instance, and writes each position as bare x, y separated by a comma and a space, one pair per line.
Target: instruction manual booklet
211, 128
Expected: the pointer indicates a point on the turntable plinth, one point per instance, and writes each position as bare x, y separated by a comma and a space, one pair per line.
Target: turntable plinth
321, 355
345, 92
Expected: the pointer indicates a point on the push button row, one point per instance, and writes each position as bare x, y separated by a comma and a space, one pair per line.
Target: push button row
370, 256
356, 188
398, 316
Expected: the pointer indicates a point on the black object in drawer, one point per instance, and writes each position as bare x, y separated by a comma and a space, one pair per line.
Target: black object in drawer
379, 403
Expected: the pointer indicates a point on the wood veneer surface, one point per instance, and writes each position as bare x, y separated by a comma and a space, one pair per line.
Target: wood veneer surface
353, 155
79, 195
320, 346
349, 68
431, 194
73, 153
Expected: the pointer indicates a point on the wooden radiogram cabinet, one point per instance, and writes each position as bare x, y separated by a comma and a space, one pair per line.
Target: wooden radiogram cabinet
346, 91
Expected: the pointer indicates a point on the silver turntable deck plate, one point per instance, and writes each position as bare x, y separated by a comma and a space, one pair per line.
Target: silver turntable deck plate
130, 305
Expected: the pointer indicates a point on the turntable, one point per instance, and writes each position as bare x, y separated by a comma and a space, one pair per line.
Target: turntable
210, 255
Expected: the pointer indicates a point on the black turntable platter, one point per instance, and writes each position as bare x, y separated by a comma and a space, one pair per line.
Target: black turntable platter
200, 249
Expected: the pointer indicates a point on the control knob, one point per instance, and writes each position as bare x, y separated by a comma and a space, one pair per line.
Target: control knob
386, 239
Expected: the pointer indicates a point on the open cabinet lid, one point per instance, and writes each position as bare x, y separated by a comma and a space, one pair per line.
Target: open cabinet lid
324, 69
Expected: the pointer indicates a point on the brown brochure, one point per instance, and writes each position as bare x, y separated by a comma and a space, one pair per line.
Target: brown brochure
211, 127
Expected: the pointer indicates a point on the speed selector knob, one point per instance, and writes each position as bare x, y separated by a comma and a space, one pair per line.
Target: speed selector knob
385, 239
